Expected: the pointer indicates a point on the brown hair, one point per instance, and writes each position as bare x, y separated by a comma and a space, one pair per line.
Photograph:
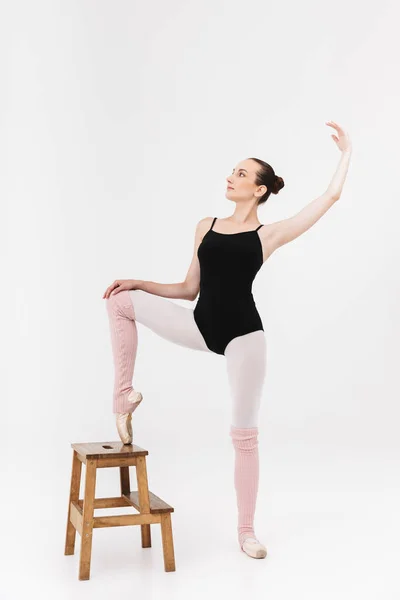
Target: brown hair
266, 176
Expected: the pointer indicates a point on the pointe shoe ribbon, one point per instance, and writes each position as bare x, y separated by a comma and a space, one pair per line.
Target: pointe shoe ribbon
254, 548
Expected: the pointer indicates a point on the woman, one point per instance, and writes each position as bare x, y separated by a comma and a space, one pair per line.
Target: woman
228, 253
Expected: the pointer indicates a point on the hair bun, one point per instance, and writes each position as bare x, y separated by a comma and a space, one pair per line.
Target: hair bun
278, 184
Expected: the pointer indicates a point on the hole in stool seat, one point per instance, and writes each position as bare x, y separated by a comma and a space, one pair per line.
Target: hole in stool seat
108, 447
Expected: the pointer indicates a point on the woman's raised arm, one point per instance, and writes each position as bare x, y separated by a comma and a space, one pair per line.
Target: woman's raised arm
289, 229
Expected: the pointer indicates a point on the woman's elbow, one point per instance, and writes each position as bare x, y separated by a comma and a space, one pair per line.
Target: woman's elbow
191, 291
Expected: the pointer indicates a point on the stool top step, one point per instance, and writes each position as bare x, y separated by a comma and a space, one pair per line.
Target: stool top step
108, 449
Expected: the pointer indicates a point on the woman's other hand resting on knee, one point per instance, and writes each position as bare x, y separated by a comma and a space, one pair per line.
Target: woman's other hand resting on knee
120, 285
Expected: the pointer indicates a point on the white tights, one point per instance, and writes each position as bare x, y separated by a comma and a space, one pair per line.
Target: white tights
245, 355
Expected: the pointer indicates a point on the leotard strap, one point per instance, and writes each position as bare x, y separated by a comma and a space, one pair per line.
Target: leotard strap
259, 227
212, 225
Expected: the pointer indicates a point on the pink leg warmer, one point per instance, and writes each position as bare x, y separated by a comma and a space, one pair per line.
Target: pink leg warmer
124, 342
246, 477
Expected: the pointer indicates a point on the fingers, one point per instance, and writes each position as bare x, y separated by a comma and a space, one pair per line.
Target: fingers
335, 126
111, 288
118, 289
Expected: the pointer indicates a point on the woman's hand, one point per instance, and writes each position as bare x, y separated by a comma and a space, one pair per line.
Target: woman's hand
342, 139
120, 285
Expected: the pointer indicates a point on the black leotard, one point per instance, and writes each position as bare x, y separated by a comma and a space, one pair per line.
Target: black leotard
225, 308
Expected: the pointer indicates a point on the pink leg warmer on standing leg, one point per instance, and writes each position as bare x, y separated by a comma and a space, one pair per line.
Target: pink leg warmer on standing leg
124, 342
246, 475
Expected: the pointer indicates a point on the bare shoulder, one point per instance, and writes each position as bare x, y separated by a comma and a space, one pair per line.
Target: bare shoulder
203, 226
206, 222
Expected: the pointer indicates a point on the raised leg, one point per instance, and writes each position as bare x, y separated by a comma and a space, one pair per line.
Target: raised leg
124, 343
87, 527
73, 496
166, 318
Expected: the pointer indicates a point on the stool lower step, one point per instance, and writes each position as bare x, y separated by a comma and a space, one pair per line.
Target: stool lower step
157, 505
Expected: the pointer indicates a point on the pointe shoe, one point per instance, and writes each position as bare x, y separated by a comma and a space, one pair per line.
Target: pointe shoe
254, 548
124, 427
124, 420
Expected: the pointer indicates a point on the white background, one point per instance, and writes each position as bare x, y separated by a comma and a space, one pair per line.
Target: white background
120, 122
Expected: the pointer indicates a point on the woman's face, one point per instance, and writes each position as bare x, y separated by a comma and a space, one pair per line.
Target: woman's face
240, 183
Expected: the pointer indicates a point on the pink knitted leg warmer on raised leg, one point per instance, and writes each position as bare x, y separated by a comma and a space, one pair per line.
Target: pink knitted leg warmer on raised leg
246, 475
124, 342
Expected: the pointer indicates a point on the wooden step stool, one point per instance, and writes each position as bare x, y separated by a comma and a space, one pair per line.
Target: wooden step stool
81, 512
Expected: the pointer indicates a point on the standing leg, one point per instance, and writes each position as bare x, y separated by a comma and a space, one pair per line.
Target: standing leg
166, 318
246, 366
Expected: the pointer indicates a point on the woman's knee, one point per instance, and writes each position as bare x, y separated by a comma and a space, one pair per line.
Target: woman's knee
121, 303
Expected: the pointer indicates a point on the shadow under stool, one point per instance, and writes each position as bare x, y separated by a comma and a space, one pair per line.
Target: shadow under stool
81, 517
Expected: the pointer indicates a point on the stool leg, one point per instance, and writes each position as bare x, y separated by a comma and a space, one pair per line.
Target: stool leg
124, 480
87, 521
167, 542
73, 496
144, 500
146, 535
